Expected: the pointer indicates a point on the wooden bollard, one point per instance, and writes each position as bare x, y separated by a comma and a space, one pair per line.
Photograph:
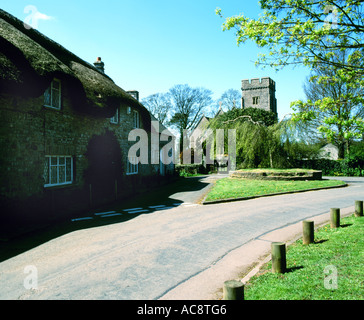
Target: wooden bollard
308, 232
335, 218
233, 290
358, 208
278, 257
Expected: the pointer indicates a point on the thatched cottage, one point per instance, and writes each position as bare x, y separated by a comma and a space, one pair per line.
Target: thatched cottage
64, 131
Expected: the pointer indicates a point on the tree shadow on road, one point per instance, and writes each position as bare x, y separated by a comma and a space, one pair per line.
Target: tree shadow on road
160, 198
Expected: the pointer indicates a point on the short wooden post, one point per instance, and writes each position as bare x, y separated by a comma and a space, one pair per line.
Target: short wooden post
278, 257
233, 290
308, 232
358, 208
335, 218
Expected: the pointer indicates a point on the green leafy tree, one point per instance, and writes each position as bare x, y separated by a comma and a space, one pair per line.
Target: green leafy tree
262, 141
255, 135
238, 116
332, 107
303, 32
311, 33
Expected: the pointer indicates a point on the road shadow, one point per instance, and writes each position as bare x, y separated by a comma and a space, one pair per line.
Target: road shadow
159, 198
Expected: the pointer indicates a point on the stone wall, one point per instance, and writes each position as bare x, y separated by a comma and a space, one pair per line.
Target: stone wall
264, 89
274, 175
30, 131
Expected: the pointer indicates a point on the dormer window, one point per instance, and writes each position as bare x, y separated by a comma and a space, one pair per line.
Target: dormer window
52, 96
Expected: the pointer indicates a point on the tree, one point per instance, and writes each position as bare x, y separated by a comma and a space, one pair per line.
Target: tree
159, 105
262, 141
336, 120
312, 33
306, 32
188, 105
255, 135
238, 116
231, 99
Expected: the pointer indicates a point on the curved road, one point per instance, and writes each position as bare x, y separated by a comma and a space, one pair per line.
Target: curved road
149, 255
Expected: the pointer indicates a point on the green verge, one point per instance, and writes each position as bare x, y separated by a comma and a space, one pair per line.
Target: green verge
235, 188
310, 273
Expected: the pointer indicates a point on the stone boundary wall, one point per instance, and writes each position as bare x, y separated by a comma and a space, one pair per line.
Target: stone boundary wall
270, 175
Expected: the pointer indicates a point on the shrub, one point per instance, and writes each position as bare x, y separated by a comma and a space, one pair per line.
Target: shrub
350, 166
185, 170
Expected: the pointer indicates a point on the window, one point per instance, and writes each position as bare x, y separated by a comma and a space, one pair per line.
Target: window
58, 170
255, 100
115, 118
132, 168
52, 96
135, 119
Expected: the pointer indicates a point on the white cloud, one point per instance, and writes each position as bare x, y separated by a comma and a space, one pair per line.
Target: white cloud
42, 16
31, 20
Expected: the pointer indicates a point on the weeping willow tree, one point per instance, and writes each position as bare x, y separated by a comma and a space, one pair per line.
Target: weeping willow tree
262, 141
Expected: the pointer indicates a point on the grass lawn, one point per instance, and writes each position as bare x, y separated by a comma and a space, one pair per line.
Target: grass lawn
238, 188
310, 267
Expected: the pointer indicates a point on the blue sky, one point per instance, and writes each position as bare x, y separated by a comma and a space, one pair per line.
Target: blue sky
152, 45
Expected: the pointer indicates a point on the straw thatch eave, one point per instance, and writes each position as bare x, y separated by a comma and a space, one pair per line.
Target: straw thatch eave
29, 61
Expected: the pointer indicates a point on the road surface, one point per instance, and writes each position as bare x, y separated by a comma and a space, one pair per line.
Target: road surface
148, 256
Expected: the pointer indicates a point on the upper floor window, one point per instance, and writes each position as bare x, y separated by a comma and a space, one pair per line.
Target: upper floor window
255, 100
52, 96
135, 119
115, 118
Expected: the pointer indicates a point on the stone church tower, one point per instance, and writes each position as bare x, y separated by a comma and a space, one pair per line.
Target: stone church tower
259, 93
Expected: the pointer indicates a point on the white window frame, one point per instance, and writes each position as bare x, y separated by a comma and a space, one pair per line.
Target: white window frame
58, 165
51, 90
136, 122
132, 168
115, 118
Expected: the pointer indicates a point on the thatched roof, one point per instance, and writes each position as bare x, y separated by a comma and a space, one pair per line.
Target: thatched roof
29, 61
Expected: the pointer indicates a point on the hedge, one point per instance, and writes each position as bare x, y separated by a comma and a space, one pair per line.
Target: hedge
347, 167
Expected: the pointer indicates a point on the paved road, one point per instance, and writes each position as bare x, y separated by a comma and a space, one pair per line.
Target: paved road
149, 255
